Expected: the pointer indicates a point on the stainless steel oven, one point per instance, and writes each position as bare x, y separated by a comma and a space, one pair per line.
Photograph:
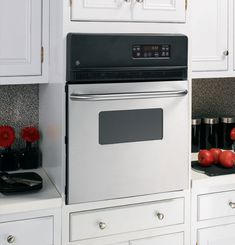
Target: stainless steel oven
127, 126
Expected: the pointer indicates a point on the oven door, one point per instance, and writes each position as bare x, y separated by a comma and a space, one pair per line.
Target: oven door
127, 139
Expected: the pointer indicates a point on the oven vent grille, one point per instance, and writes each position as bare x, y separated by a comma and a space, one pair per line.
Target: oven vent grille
137, 75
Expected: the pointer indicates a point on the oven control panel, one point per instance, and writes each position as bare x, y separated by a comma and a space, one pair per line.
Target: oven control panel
151, 51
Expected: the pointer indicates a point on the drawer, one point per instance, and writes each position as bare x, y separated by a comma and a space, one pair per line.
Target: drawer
92, 224
27, 232
216, 205
176, 239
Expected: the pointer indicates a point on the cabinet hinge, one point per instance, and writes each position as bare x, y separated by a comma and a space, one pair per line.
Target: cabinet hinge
70, 3
42, 54
186, 4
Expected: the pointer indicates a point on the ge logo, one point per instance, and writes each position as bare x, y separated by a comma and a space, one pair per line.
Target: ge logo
77, 62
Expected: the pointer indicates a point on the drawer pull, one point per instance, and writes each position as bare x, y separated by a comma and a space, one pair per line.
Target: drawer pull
102, 225
232, 204
160, 216
10, 239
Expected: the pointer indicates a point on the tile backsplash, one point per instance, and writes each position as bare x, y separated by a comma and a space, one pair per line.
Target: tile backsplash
213, 97
19, 107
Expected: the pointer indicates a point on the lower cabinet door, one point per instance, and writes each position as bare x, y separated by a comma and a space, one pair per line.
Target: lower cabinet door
219, 235
170, 239
37, 231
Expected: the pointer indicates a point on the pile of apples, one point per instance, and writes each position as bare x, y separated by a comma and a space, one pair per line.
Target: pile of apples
226, 159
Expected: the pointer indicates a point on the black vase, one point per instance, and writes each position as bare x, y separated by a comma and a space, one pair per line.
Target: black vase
30, 157
8, 160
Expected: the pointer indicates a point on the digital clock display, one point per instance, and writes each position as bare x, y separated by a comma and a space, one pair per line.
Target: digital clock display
151, 51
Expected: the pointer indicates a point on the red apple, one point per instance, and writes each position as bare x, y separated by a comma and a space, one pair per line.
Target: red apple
215, 152
227, 159
205, 158
232, 134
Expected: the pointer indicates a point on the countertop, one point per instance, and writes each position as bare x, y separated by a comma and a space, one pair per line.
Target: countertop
46, 198
202, 182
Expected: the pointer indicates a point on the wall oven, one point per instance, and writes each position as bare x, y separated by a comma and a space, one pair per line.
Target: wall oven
127, 116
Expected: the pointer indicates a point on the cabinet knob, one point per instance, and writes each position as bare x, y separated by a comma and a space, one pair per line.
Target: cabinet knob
232, 204
160, 216
102, 225
10, 239
226, 53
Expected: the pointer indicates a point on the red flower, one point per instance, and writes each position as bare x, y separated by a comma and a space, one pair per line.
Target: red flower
30, 134
7, 136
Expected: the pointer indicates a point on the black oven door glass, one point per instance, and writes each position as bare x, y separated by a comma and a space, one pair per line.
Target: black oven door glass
130, 126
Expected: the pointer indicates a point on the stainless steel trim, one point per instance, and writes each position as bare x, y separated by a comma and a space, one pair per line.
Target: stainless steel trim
227, 119
214, 120
125, 96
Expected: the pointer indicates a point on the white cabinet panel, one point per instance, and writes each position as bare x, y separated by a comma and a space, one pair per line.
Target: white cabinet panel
220, 235
37, 231
159, 10
176, 239
210, 35
20, 37
216, 205
101, 10
104, 222
127, 10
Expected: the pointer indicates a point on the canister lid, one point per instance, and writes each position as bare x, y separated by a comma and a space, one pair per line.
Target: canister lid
212, 120
227, 119
196, 121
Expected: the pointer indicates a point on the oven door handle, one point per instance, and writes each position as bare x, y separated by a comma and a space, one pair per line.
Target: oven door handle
126, 96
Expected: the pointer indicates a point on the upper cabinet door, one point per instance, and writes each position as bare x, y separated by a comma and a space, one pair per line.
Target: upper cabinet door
98, 10
159, 10
210, 35
20, 37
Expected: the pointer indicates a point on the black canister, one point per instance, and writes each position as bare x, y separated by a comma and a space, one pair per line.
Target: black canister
210, 133
226, 125
196, 135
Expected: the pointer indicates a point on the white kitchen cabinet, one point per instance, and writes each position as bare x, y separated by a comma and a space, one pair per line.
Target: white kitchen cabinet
213, 209
176, 239
129, 10
168, 239
31, 218
23, 41
20, 37
210, 35
101, 10
159, 10
217, 235
37, 231
104, 222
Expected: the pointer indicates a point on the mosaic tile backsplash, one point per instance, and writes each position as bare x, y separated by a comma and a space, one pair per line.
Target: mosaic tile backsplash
19, 107
213, 97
